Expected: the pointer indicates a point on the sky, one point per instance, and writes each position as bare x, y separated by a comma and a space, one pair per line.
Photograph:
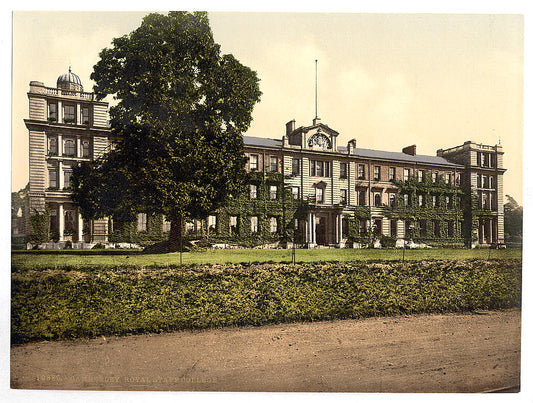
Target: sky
387, 80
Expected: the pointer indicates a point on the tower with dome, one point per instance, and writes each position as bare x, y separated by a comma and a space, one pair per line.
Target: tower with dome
66, 127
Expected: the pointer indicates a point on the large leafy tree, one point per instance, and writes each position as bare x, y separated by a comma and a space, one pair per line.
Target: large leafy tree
177, 127
513, 215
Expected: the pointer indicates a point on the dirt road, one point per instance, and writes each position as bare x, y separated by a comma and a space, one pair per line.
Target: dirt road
426, 353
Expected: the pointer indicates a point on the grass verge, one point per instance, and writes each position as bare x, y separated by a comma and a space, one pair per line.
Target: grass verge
51, 303
111, 258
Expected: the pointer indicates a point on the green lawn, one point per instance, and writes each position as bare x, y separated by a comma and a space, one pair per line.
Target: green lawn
34, 260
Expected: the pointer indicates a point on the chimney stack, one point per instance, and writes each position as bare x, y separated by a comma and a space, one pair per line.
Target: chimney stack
290, 126
351, 145
411, 150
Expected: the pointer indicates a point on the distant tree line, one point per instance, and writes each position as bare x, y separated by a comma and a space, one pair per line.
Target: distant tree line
513, 213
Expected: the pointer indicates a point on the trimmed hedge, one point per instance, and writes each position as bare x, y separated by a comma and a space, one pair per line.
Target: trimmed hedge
69, 303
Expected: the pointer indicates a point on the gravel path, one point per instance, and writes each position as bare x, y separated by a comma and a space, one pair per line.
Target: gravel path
423, 353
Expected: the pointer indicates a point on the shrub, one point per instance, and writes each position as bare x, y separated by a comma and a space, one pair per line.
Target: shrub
50, 303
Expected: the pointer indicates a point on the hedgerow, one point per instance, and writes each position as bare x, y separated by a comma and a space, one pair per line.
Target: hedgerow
65, 303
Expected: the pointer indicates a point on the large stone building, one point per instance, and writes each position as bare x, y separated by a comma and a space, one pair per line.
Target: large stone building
358, 194
304, 186
66, 126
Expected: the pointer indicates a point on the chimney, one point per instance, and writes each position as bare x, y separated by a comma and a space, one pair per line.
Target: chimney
351, 145
411, 150
290, 126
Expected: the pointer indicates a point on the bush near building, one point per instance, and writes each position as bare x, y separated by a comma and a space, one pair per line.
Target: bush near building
50, 303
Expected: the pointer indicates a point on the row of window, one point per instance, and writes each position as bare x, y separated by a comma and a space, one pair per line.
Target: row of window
432, 201
486, 160
272, 191
53, 178
211, 224
377, 227
324, 169
253, 163
408, 200
69, 113
486, 181
69, 148
487, 200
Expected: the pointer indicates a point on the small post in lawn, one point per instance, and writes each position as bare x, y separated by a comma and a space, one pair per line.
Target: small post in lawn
181, 240
293, 249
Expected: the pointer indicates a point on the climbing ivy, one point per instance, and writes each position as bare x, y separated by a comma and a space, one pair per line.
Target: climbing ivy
283, 207
39, 227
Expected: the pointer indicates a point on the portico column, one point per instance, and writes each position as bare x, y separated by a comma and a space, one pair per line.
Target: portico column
337, 229
340, 228
489, 224
80, 228
61, 217
309, 227
314, 228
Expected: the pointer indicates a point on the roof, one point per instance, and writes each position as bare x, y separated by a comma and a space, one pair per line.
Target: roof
360, 152
398, 156
262, 142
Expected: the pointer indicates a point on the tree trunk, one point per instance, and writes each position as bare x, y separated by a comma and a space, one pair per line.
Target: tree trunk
175, 231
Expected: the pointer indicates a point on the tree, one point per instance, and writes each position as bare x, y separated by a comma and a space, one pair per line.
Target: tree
177, 127
513, 213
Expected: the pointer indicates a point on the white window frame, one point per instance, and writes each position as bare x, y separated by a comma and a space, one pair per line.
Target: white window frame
212, 222
273, 192
273, 224
254, 223
253, 191
406, 174
254, 162
295, 191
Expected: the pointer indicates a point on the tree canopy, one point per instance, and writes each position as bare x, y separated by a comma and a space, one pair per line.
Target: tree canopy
513, 216
177, 126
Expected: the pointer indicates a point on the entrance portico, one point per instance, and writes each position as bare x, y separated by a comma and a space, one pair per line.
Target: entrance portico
324, 227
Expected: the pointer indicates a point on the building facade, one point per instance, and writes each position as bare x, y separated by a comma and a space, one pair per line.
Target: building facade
356, 195
304, 187
66, 126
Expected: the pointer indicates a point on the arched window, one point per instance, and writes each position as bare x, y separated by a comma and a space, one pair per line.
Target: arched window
377, 199
70, 148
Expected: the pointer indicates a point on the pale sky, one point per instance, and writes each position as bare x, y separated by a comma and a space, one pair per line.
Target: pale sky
387, 80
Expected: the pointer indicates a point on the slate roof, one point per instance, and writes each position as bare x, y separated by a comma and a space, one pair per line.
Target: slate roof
262, 142
398, 156
360, 152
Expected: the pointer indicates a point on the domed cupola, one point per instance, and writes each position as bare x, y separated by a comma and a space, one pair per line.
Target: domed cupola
69, 81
